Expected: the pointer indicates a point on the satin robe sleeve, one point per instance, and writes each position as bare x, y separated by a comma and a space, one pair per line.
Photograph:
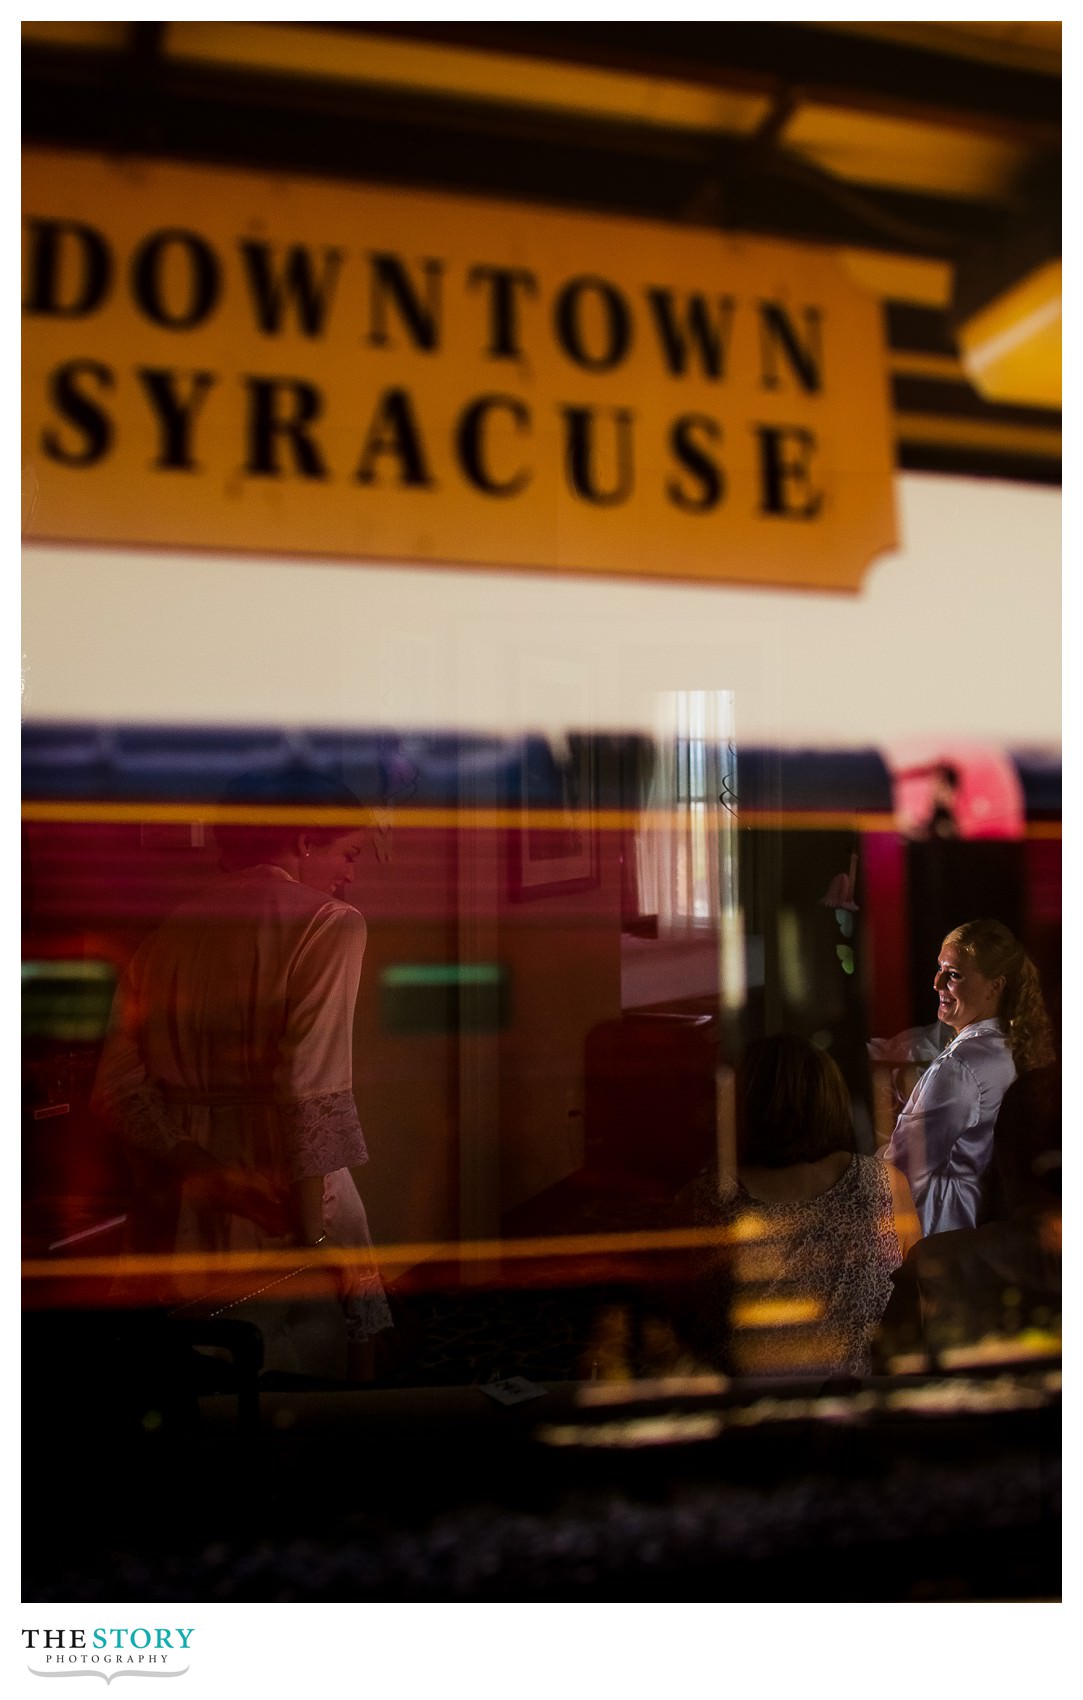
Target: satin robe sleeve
942, 1142
313, 1076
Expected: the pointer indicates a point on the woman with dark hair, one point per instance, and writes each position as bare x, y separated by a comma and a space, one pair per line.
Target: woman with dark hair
229, 1065
990, 997
809, 1232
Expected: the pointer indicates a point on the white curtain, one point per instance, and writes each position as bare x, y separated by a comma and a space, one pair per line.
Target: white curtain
686, 851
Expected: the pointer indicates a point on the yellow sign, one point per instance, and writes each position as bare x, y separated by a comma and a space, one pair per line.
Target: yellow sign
235, 361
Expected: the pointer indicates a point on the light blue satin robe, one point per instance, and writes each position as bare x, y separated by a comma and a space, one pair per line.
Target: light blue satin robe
943, 1139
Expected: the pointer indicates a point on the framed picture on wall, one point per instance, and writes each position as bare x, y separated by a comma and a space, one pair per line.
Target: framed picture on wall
554, 848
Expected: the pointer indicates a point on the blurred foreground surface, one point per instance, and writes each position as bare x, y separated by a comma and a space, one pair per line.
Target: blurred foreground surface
141, 1487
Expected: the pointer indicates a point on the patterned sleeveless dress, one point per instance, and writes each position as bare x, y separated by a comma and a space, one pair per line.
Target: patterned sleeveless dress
796, 1288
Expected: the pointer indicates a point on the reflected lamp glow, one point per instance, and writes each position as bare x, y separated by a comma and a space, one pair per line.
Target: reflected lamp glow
1011, 347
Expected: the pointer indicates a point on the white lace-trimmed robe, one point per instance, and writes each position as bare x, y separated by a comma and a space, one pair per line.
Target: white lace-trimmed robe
233, 1026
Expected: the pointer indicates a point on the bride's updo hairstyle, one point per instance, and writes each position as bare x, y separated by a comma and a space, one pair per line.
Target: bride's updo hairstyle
1021, 1012
306, 792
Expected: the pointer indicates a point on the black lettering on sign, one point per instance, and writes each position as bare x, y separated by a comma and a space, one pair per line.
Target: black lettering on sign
471, 444
68, 387
581, 455
694, 458
504, 283
277, 284
805, 359
590, 304
176, 279
69, 268
422, 318
701, 329
394, 431
280, 411
785, 474
175, 413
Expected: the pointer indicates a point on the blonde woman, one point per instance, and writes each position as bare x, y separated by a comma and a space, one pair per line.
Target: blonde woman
989, 996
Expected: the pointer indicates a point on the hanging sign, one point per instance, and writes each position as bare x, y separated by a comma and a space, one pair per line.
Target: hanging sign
231, 361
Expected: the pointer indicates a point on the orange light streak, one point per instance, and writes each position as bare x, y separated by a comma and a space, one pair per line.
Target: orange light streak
475, 819
403, 1255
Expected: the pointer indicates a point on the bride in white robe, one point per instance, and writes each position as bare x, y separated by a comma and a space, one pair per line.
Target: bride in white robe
229, 1064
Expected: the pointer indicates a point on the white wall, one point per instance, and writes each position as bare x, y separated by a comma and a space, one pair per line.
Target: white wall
957, 632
